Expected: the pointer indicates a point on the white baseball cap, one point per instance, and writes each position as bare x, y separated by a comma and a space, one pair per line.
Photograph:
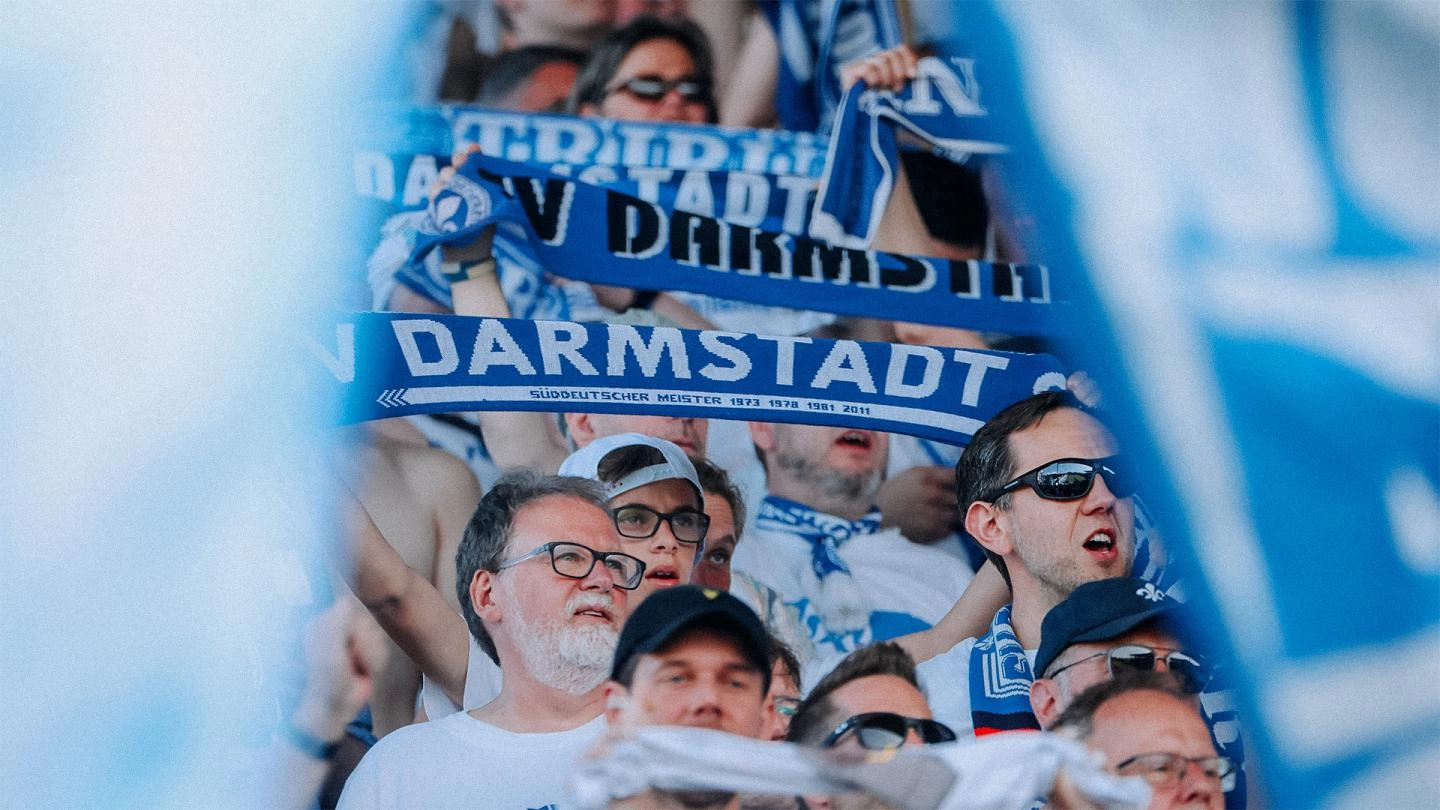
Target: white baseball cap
585, 463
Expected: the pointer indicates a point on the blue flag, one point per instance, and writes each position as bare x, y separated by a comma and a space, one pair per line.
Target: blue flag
941, 105
815, 39
1263, 255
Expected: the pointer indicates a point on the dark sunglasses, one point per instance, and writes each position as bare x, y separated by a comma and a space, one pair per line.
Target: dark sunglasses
1069, 479
638, 522
654, 88
1191, 671
886, 731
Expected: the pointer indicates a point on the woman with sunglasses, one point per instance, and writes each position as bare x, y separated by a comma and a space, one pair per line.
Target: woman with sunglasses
648, 70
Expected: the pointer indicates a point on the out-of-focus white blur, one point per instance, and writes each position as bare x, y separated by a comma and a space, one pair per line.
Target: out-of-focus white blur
171, 180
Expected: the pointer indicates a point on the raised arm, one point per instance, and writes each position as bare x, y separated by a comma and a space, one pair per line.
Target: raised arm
410, 609
901, 228
513, 438
969, 617
749, 98
343, 650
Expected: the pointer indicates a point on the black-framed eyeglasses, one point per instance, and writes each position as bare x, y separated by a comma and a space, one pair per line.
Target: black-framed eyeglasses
1070, 479
886, 731
1192, 671
653, 88
1166, 770
576, 561
638, 522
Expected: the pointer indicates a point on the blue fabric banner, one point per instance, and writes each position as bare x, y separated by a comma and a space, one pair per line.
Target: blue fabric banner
773, 202
549, 139
815, 38
383, 364
626, 241
941, 105
1265, 257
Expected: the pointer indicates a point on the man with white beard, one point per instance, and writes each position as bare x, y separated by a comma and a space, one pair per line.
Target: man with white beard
548, 593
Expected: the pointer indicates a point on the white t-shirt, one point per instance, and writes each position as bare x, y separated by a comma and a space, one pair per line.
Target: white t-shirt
461, 762
908, 587
482, 685
945, 680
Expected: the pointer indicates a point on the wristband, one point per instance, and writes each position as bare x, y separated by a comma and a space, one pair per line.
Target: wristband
455, 272
309, 744
644, 299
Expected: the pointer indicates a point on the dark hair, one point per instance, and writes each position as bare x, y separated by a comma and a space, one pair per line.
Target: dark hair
1079, 716
629, 458
818, 715
605, 58
511, 69
488, 532
626, 459
728, 628
781, 652
714, 479
986, 465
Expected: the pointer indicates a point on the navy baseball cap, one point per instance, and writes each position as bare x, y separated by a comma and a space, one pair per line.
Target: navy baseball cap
669, 612
1099, 611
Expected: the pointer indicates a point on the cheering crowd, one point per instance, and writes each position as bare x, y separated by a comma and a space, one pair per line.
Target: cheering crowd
554, 590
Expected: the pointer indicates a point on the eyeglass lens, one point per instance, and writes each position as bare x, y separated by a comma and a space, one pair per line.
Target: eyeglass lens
654, 88
576, 561
1161, 768
882, 732
638, 521
1192, 674
787, 706
1069, 480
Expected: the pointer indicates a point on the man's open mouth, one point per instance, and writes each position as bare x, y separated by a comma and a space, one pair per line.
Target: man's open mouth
1101, 542
598, 612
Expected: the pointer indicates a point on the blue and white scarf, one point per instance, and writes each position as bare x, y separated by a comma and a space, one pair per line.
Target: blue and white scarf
1000, 679
941, 105
376, 365
529, 291
815, 39
399, 144
840, 600
591, 234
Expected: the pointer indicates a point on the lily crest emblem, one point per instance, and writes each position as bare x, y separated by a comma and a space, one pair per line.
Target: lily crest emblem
458, 206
